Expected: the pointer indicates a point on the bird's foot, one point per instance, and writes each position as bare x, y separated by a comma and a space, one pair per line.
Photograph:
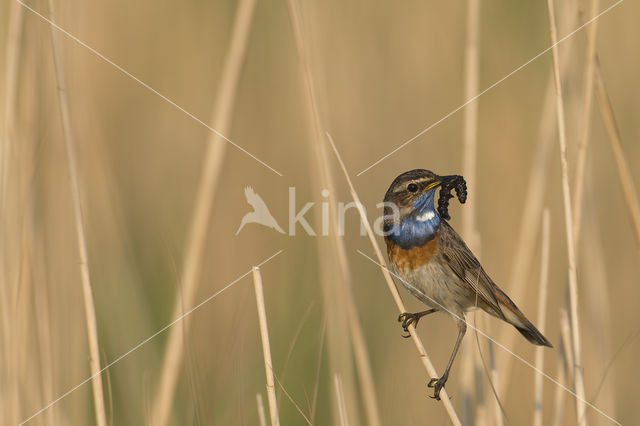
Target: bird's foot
437, 385
406, 319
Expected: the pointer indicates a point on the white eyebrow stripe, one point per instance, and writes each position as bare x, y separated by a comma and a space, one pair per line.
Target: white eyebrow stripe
422, 179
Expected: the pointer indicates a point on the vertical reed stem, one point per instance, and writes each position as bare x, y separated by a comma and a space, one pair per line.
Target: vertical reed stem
542, 309
342, 408
624, 172
568, 215
583, 144
470, 146
8, 360
89, 307
468, 355
565, 360
266, 347
12, 63
261, 416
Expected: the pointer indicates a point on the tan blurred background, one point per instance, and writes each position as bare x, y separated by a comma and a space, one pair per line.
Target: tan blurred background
383, 71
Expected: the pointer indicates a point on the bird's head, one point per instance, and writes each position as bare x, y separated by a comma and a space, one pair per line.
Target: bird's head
413, 192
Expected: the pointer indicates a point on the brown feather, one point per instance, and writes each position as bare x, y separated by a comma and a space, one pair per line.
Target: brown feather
465, 265
412, 258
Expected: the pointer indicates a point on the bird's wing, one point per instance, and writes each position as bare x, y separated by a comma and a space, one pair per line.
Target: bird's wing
254, 199
465, 265
249, 194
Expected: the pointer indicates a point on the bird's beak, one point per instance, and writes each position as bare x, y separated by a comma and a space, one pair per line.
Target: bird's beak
440, 180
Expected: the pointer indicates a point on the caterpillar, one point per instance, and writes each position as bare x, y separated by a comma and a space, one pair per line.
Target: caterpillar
460, 186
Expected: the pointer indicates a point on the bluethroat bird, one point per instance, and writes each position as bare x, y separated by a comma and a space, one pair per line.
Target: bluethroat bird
435, 264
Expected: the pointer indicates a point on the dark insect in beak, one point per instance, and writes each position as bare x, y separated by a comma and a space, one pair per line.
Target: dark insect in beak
449, 183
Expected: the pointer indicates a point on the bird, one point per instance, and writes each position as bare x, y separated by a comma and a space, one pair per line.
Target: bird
260, 213
435, 265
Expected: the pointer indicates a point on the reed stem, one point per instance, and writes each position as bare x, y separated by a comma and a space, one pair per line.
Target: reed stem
87, 291
583, 144
261, 416
541, 321
342, 408
468, 355
568, 215
266, 347
624, 171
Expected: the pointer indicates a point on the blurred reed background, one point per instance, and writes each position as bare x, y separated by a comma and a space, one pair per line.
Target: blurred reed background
162, 198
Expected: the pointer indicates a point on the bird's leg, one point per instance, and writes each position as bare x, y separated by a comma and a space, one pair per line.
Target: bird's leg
438, 384
408, 318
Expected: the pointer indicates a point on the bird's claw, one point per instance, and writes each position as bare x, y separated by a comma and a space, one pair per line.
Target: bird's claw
437, 384
406, 319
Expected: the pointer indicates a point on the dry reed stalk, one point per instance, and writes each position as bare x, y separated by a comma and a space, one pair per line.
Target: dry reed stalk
192, 265
261, 417
344, 421
470, 145
530, 222
469, 358
542, 310
597, 301
583, 143
426, 360
12, 64
565, 336
20, 382
626, 180
338, 293
266, 347
596, 290
9, 393
90, 312
568, 216
565, 359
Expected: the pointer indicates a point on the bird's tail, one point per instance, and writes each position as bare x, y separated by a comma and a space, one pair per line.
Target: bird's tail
515, 317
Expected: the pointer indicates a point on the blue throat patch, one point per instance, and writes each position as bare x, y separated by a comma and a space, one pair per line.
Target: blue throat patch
420, 226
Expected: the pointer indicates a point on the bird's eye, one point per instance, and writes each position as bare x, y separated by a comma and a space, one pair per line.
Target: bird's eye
412, 187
